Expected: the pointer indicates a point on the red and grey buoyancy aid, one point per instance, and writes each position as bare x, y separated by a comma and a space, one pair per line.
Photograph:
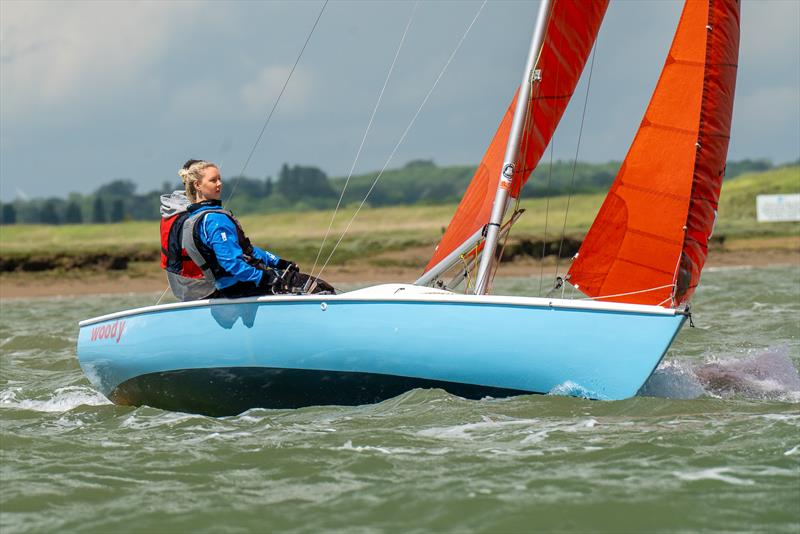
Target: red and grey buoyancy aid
173, 257
185, 278
191, 266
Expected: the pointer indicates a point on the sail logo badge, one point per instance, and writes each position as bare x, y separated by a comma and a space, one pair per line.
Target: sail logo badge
109, 331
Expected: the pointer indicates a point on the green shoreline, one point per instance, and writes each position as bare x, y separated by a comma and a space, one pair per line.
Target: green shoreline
376, 232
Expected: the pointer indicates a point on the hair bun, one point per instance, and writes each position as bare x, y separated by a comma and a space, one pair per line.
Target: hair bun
191, 173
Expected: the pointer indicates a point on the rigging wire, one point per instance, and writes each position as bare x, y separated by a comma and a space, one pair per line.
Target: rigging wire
575, 161
364, 137
402, 137
546, 214
549, 176
277, 100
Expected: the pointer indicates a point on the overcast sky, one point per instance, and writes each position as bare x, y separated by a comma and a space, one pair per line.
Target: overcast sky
92, 91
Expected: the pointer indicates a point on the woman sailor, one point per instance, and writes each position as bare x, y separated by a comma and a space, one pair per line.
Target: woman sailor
214, 241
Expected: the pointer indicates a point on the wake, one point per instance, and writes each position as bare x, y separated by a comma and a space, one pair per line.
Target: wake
769, 374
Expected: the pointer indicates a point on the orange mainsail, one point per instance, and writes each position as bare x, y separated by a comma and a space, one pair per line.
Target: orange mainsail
650, 238
569, 37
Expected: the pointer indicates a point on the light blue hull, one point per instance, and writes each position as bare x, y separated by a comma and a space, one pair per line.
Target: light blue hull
515, 344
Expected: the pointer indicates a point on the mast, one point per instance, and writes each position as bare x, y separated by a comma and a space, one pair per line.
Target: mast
512, 148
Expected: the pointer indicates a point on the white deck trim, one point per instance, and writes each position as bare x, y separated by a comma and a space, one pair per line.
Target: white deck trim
402, 293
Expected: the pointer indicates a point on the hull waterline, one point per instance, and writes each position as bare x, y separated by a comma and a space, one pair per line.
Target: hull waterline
223, 357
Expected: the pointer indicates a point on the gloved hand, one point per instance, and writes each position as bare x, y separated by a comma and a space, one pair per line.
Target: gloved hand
271, 282
286, 265
293, 280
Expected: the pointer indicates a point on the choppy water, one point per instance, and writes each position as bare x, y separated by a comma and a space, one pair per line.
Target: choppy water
711, 444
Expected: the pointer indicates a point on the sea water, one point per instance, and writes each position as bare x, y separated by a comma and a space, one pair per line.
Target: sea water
712, 443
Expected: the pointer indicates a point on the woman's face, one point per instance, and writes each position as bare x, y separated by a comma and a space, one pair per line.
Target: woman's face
209, 186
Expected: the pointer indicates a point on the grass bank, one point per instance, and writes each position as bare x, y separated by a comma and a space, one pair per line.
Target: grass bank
377, 235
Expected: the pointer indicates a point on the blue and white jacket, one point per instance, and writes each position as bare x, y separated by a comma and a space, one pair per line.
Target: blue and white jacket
220, 233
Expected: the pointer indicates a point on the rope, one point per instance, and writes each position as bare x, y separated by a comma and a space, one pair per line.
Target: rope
473, 252
503, 246
675, 274
467, 274
364, 137
628, 293
277, 100
402, 137
161, 297
575, 161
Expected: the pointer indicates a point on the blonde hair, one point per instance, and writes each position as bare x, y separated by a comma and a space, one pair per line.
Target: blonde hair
190, 173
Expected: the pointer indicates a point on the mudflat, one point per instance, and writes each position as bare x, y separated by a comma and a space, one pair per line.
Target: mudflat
407, 265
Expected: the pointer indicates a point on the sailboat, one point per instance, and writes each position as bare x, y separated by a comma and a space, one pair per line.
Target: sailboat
637, 268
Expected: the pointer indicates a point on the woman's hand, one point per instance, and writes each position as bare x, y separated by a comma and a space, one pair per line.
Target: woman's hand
271, 282
286, 265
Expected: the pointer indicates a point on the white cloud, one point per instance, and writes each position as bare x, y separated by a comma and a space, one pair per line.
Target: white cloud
57, 54
258, 95
221, 99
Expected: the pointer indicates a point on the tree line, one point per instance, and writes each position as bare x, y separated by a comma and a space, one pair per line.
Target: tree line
297, 187
302, 188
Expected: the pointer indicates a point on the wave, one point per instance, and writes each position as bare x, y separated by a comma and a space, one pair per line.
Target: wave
769, 374
61, 400
572, 389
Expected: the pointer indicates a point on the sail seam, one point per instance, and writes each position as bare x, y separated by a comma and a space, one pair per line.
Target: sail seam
718, 135
652, 191
662, 126
704, 199
553, 97
686, 62
702, 64
689, 63
654, 237
692, 238
644, 266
